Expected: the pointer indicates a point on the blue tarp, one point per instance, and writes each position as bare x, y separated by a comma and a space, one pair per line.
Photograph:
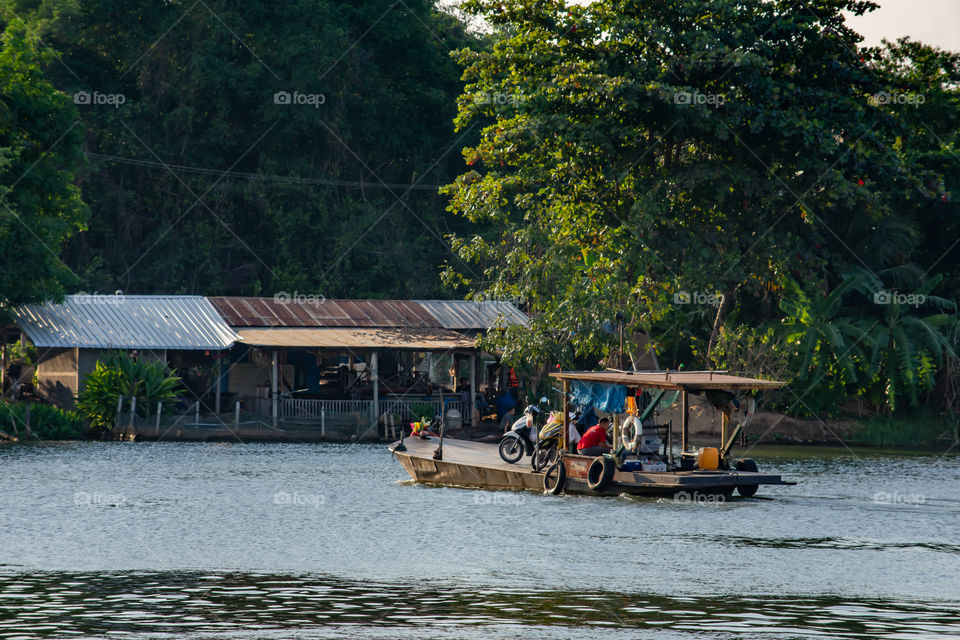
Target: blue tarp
609, 398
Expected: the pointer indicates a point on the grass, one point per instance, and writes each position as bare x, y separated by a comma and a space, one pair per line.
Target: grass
924, 430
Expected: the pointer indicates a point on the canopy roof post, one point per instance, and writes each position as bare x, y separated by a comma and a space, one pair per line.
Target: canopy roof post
684, 419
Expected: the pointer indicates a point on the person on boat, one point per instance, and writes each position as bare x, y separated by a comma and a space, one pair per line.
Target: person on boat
594, 441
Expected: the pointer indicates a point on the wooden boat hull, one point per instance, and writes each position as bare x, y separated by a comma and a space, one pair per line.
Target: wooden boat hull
475, 464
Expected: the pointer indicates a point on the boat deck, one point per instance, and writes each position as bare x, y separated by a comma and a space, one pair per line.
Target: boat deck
478, 464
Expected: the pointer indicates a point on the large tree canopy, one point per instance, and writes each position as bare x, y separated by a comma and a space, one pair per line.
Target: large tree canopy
40, 155
646, 156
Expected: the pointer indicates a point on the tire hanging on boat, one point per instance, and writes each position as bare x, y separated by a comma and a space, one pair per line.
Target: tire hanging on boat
631, 433
600, 473
555, 478
747, 490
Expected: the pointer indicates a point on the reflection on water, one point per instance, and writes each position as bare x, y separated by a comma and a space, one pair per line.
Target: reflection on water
57, 604
153, 540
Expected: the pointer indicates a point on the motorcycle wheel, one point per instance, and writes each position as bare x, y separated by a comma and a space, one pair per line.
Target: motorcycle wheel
544, 456
511, 450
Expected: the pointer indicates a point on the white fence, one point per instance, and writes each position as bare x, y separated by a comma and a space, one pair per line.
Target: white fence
309, 409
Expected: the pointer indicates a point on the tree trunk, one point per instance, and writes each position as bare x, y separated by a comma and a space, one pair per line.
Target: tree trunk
723, 309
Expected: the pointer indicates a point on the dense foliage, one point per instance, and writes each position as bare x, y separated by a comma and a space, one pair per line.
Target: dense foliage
46, 422
120, 374
711, 167
40, 156
289, 97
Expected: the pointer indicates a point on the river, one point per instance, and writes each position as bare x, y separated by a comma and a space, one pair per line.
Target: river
192, 540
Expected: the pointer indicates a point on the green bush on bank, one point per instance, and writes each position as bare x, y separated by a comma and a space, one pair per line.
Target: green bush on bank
46, 422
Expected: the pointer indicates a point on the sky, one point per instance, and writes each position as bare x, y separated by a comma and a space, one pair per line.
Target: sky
935, 22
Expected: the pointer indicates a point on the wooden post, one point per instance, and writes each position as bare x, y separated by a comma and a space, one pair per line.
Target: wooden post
669, 442
236, 414
724, 426
566, 416
684, 419
133, 411
196, 413
323, 422
375, 378
273, 387
159, 411
219, 382
3, 360
474, 418
116, 422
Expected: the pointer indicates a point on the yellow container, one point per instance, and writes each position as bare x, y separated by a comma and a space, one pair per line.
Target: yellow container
708, 458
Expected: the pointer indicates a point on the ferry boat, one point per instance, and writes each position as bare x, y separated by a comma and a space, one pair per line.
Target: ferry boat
643, 459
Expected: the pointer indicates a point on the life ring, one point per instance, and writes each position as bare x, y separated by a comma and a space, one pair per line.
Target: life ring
555, 478
600, 473
631, 433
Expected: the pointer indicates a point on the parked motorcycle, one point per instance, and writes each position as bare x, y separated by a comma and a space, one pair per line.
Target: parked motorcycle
516, 442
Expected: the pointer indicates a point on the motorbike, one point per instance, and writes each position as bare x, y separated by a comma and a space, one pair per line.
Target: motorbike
547, 449
516, 442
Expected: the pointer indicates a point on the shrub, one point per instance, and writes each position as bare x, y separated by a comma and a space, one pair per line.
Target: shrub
46, 422
117, 375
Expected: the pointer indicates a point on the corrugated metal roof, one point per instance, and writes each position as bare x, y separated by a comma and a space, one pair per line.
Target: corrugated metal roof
94, 321
391, 338
473, 314
292, 310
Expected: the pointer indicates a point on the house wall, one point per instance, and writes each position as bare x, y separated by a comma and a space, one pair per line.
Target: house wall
57, 376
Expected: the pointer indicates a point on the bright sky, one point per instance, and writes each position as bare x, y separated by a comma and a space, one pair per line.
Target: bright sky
935, 22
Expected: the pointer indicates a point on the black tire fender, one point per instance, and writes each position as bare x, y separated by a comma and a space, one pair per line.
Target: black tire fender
600, 473
555, 478
747, 490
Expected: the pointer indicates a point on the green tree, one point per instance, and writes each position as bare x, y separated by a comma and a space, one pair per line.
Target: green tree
40, 159
648, 150
198, 85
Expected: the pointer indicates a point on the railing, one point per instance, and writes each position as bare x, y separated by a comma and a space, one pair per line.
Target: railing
307, 409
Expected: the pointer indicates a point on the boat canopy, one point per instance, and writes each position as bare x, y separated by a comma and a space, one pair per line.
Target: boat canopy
674, 380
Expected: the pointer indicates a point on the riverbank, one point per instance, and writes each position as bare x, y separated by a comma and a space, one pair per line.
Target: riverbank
771, 428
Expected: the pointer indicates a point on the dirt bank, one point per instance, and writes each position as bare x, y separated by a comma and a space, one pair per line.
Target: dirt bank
767, 427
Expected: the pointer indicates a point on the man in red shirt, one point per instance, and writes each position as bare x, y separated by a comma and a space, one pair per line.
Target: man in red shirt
594, 441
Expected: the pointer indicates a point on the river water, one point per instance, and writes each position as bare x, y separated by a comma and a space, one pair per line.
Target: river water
190, 540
